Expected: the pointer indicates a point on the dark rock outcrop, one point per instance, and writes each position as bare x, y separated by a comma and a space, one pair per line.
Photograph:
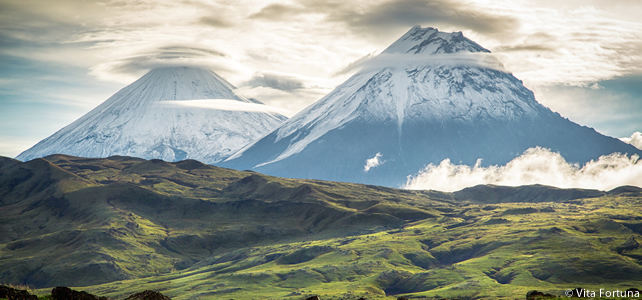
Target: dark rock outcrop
65, 293
10, 293
536, 295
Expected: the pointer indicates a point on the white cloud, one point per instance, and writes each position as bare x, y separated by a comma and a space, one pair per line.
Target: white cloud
373, 162
279, 81
225, 104
635, 140
385, 60
535, 166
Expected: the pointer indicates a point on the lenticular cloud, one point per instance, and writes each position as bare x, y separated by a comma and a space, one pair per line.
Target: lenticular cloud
535, 166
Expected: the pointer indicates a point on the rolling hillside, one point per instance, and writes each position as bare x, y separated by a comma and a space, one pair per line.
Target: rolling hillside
118, 225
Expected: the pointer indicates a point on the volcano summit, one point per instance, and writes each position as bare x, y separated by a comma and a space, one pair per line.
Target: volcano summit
170, 114
429, 96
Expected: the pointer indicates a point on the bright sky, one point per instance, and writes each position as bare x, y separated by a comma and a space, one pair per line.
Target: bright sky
59, 59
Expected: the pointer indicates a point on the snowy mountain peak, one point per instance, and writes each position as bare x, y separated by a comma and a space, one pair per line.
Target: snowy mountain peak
170, 113
432, 41
429, 97
184, 83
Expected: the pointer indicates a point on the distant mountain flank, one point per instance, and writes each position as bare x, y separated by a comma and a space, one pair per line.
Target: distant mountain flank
429, 96
172, 113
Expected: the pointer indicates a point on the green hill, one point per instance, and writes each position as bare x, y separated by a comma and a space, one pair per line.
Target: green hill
121, 225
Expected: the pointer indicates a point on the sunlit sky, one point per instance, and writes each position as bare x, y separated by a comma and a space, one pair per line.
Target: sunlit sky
59, 59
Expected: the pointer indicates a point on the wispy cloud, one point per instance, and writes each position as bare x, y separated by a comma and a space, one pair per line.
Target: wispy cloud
385, 60
575, 46
549, 43
373, 162
572, 42
284, 82
225, 104
535, 166
387, 18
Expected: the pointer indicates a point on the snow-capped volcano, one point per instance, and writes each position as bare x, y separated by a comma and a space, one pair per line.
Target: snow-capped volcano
429, 96
171, 114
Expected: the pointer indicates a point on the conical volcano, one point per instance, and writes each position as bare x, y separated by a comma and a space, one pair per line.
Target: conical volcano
429, 96
170, 114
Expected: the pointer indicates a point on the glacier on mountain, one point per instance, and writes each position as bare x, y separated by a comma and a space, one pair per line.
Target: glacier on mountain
429, 96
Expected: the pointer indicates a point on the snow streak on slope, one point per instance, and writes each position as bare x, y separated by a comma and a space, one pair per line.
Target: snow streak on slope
143, 120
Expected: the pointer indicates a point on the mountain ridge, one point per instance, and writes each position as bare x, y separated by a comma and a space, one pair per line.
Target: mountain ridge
433, 41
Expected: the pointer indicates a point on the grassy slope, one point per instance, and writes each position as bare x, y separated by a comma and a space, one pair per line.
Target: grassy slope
577, 244
121, 225
86, 221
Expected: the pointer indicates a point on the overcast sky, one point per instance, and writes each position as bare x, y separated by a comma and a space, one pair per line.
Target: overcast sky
59, 59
